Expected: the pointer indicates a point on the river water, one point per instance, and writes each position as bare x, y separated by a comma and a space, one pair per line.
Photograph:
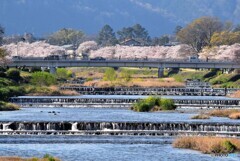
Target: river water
106, 148
100, 114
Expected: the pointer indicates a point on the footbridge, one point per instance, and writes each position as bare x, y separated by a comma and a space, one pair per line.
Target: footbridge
160, 64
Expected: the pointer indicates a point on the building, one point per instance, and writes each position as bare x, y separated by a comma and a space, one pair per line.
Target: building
131, 42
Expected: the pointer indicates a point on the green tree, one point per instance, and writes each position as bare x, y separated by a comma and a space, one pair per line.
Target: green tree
136, 32
66, 36
106, 36
225, 38
43, 79
110, 75
63, 73
14, 74
125, 33
126, 75
140, 33
160, 41
198, 33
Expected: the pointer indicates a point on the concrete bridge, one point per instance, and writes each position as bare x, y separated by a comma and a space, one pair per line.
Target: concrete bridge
160, 64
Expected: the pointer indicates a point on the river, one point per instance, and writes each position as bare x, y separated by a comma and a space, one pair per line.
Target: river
106, 148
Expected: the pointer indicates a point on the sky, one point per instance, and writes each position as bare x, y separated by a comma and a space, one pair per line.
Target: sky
43, 17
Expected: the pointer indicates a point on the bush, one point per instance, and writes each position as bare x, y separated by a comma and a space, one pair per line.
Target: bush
49, 157
10, 91
229, 146
43, 79
2, 74
153, 104
14, 74
126, 75
63, 73
8, 106
110, 75
167, 104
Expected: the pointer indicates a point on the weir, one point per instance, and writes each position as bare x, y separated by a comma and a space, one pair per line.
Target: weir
189, 91
119, 128
121, 101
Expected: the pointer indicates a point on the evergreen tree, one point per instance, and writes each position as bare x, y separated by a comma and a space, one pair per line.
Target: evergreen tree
106, 36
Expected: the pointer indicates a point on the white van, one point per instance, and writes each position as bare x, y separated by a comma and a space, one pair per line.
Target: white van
193, 59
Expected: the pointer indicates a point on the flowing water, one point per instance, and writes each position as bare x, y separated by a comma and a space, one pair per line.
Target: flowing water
103, 147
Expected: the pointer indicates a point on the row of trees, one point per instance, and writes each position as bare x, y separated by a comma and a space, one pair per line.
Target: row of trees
107, 37
204, 31
208, 31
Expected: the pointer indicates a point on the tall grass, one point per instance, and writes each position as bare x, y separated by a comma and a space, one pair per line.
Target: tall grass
208, 145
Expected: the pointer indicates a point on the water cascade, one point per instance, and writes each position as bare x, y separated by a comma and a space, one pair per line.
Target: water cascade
121, 128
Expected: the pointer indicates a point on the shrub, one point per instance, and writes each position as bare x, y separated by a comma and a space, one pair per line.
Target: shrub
63, 73
43, 78
14, 74
2, 74
110, 75
4, 94
49, 157
229, 146
167, 104
153, 104
8, 106
126, 75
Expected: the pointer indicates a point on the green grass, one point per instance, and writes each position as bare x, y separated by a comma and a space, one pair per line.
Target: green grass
183, 75
4, 106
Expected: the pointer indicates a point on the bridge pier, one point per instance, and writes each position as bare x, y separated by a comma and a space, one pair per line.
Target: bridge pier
52, 70
160, 72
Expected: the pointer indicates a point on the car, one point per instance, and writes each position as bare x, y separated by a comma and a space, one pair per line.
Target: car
193, 59
98, 58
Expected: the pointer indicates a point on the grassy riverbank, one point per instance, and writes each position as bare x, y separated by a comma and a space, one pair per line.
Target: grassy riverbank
229, 113
15, 82
45, 158
4, 106
145, 77
209, 145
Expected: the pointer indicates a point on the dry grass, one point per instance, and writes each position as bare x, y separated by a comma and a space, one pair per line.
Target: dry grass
208, 145
223, 113
68, 93
201, 116
235, 95
140, 82
25, 159
49, 91
234, 116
